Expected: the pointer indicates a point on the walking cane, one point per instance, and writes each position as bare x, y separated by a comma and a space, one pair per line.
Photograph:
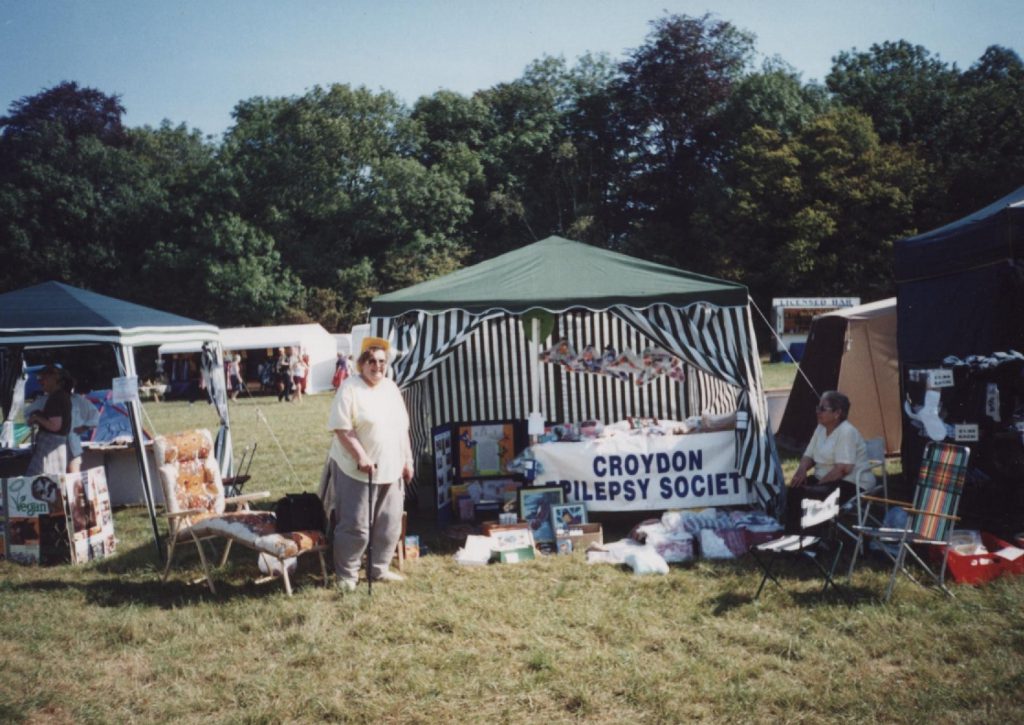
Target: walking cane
369, 539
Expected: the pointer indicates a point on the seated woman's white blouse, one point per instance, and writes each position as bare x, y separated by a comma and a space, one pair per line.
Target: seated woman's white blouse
845, 445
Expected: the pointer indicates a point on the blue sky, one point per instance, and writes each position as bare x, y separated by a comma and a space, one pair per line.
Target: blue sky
191, 61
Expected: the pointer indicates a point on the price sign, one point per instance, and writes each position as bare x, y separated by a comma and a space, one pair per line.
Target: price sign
965, 432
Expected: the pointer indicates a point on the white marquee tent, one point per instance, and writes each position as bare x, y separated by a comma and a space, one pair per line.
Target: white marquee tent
314, 340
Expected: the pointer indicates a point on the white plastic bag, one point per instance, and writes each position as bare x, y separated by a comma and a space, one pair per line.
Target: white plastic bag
645, 560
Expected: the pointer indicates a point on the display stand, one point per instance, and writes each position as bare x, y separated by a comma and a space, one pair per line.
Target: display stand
471, 468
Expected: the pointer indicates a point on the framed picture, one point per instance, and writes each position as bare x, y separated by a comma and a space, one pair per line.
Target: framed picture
535, 509
568, 514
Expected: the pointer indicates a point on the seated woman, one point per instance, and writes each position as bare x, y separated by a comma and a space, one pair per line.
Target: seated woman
835, 452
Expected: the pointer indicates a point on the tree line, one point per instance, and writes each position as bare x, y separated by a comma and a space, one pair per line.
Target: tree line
682, 152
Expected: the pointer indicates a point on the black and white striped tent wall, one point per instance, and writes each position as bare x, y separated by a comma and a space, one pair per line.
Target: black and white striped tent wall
457, 366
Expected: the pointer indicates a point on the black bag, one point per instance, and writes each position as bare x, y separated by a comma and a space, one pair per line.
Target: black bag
300, 512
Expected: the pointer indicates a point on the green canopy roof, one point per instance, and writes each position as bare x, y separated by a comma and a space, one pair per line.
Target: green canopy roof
557, 274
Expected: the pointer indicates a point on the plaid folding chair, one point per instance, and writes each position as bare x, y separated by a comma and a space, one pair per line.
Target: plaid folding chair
930, 519
815, 516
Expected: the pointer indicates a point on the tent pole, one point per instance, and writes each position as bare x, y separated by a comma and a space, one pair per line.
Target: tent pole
534, 355
126, 363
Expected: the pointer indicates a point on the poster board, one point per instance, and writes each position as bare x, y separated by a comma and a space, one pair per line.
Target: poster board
51, 519
90, 520
32, 506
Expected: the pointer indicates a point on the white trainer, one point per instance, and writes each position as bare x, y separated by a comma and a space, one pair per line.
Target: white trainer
389, 576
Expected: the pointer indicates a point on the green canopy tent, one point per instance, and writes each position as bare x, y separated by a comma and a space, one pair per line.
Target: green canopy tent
461, 353
52, 314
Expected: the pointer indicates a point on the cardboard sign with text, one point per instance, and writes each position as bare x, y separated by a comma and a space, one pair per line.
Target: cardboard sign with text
646, 472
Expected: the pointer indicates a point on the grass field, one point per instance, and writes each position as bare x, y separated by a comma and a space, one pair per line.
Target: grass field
778, 375
554, 640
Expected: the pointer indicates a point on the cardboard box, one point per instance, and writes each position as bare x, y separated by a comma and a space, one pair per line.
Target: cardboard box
581, 535
514, 556
488, 526
412, 546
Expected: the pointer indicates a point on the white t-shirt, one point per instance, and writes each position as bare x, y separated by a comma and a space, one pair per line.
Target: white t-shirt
83, 413
845, 445
378, 416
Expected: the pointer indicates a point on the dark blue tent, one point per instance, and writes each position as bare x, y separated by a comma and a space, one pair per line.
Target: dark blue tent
960, 286
960, 292
52, 314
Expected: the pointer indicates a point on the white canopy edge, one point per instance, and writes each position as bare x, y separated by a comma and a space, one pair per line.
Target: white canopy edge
135, 336
256, 338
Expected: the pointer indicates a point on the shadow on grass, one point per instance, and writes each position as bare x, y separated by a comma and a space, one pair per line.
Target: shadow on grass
133, 576
793, 577
175, 593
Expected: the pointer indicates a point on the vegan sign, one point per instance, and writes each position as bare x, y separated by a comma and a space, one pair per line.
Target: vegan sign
645, 472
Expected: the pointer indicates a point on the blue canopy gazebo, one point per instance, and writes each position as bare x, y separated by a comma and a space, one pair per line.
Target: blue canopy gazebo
52, 314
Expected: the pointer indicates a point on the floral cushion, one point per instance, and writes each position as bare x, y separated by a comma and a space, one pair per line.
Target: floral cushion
188, 473
255, 529
183, 446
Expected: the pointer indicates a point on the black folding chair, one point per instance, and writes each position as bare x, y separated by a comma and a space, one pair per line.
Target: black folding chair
233, 484
810, 546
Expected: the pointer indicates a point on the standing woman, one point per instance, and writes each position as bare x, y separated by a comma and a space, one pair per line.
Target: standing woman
371, 434
835, 452
54, 423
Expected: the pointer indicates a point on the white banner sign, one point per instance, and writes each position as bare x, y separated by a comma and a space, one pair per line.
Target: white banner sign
642, 472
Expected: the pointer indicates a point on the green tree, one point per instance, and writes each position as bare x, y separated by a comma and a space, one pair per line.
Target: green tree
903, 88
334, 176
226, 272
985, 152
71, 190
817, 214
772, 98
672, 92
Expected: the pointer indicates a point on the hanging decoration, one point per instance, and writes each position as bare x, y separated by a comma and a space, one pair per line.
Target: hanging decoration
641, 368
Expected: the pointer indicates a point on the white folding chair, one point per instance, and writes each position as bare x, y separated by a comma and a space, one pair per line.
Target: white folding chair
855, 512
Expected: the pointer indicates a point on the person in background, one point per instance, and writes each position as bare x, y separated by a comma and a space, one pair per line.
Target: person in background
305, 374
283, 374
371, 436
298, 372
340, 371
835, 452
50, 454
233, 368
84, 417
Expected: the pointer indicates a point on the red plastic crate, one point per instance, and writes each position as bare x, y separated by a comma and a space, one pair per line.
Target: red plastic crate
982, 568
994, 544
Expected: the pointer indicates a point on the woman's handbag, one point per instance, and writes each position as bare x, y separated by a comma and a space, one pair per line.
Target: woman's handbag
300, 512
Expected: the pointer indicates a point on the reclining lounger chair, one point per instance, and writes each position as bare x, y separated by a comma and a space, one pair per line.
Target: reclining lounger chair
196, 509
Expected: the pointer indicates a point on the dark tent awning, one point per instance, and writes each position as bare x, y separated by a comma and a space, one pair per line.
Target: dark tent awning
557, 274
52, 313
987, 236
